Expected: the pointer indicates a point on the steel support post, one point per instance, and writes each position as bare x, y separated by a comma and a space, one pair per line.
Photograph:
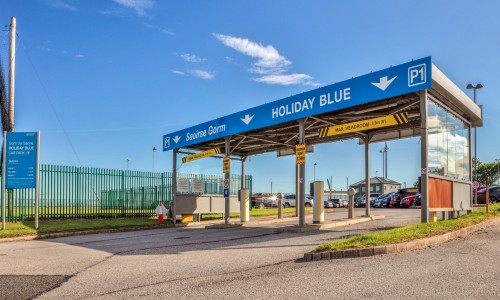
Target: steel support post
227, 176
4, 194
173, 204
469, 140
244, 195
424, 144
297, 191
367, 175
301, 195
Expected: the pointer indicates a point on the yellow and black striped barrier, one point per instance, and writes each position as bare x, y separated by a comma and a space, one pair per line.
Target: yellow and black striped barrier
396, 119
200, 155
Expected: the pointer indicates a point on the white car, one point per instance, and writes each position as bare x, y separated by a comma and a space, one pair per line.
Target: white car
291, 201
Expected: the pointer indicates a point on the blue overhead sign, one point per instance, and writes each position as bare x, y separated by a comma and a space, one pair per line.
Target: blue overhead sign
21, 160
399, 80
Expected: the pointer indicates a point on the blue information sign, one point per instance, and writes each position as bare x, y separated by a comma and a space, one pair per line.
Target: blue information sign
21, 160
398, 80
226, 193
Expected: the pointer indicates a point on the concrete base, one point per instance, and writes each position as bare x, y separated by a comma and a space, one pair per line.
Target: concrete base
306, 228
223, 226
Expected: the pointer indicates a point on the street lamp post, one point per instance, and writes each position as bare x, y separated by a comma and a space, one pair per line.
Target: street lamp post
153, 167
128, 164
315, 171
384, 160
475, 87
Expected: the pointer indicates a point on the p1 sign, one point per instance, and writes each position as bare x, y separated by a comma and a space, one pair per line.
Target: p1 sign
416, 75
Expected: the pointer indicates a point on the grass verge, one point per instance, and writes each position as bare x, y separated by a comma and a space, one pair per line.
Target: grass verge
57, 226
411, 232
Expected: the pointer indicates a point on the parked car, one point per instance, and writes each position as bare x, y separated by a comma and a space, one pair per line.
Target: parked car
378, 202
309, 201
374, 199
401, 193
407, 201
262, 200
373, 196
418, 200
494, 194
291, 201
386, 201
357, 201
338, 202
330, 204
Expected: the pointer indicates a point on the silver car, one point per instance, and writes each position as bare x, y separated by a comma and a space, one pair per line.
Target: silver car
291, 201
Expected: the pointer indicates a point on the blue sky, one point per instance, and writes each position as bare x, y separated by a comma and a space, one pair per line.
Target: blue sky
122, 73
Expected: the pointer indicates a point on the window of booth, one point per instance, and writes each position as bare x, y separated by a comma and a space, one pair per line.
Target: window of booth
448, 142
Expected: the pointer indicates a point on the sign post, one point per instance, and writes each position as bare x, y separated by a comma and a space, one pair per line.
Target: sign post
21, 165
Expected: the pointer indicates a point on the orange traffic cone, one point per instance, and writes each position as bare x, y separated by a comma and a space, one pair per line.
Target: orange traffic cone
160, 218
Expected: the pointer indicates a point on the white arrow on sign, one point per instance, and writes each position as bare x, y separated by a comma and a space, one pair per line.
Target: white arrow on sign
247, 119
384, 83
176, 139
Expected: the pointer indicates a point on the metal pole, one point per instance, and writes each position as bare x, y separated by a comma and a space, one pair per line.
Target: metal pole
386, 159
173, 205
4, 194
475, 154
297, 191
302, 184
383, 163
367, 175
314, 176
244, 203
471, 178
243, 181
37, 186
12, 70
227, 176
153, 167
424, 131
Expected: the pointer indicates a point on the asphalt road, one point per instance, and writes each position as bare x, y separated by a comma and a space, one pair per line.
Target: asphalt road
245, 263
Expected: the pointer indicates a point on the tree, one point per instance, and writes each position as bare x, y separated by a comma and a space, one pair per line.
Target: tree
488, 170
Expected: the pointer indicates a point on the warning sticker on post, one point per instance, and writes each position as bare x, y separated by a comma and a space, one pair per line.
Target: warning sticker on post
226, 165
300, 154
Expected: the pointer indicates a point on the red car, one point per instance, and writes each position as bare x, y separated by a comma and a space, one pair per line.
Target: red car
407, 201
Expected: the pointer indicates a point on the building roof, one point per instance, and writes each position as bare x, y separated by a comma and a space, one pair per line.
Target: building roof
375, 180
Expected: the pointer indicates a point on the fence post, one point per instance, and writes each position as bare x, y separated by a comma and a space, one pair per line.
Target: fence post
123, 193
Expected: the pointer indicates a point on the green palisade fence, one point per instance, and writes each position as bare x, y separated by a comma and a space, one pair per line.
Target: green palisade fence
78, 192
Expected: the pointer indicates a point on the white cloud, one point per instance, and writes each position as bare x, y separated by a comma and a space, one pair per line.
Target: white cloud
203, 74
269, 60
287, 79
160, 29
79, 55
165, 31
140, 6
191, 58
178, 72
270, 64
61, 4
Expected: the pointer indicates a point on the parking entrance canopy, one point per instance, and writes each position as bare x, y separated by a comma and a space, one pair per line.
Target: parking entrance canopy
271, 126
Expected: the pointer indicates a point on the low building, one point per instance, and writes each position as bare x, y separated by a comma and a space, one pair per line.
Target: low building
377, 185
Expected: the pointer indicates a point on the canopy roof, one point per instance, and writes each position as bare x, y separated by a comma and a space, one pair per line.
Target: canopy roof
377, 94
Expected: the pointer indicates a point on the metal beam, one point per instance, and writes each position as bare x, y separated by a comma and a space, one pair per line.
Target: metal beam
174, 186
300, 197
